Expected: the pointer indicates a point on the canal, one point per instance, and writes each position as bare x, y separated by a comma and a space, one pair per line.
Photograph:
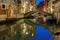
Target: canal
42, 33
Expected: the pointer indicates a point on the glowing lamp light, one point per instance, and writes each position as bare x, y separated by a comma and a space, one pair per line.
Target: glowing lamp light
27, 33
51, 10
31, 8
24, 30
32, 34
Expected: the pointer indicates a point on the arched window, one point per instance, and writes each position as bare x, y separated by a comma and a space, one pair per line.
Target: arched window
19, 1
3, 5
15, 0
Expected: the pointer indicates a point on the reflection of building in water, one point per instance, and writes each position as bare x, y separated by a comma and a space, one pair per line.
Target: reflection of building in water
57, 34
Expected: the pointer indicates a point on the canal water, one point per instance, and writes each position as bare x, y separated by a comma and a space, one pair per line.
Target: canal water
42, 33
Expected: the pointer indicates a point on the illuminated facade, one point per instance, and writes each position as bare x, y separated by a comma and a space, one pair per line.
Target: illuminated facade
43, 6
4, 8
57, 10
57, 15
27, 5
51, 6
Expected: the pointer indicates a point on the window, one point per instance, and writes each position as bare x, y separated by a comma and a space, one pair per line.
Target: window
19, 1
3, 6
15, 0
